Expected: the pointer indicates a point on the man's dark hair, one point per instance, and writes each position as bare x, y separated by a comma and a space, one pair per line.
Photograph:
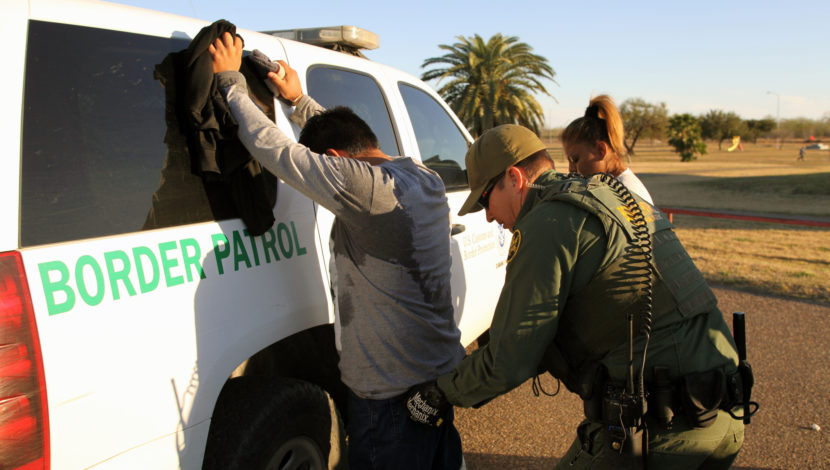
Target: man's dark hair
537, 164
340, 129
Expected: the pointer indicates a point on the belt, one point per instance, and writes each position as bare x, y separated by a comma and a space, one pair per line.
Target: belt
698, 396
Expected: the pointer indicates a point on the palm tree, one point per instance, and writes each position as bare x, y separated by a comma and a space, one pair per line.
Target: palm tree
491, 83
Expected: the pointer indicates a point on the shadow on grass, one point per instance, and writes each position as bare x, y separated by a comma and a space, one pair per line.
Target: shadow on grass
768, 292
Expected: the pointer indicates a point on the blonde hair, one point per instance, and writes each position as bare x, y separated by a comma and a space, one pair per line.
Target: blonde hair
602, 122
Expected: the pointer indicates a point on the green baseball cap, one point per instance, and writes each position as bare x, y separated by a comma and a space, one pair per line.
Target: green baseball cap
493, 152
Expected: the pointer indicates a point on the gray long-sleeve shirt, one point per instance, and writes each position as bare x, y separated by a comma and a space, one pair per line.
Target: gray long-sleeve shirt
391, 248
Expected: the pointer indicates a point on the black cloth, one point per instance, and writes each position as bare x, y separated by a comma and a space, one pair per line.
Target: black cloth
255, 67
236, 184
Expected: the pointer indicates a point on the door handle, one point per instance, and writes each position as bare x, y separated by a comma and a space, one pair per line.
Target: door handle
456, 229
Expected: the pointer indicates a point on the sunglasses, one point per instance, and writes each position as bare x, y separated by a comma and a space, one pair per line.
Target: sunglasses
484, 200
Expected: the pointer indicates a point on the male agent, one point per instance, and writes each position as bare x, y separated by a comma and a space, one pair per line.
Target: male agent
574, 272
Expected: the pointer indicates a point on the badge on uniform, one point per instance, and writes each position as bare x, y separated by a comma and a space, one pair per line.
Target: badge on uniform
514, 245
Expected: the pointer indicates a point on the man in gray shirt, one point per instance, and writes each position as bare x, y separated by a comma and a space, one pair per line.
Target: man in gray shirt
392, 255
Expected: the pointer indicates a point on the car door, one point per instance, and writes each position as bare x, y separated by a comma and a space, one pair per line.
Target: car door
479, 248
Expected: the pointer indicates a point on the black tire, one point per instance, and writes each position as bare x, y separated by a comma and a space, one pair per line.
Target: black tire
271, 424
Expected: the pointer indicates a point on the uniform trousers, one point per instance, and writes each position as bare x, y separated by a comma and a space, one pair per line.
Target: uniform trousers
682, 447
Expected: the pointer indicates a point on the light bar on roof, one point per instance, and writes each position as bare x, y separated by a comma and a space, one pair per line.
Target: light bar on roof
345, 35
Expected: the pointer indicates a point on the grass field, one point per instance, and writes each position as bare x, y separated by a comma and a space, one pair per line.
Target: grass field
776, 259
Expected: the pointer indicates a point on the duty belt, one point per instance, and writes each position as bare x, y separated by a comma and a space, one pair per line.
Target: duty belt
697, 396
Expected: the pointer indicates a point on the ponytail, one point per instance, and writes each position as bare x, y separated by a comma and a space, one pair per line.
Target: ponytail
601, 122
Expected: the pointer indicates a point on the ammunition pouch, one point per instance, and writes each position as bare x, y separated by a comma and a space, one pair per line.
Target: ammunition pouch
702, 394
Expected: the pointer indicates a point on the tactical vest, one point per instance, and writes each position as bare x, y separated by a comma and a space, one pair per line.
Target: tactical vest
594, 320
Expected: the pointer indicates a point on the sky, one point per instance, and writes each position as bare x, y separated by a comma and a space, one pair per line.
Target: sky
756, 58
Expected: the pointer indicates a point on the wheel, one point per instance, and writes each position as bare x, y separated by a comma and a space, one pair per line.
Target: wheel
274, 424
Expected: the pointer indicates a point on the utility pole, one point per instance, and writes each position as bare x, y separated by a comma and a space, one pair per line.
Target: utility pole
777, 119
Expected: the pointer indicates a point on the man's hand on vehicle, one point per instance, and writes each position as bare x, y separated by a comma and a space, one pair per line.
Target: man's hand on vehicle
226, 53
288, 86
427, 404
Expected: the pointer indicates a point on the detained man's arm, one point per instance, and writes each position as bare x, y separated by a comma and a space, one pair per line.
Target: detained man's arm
319, 177
305, 109
291, 91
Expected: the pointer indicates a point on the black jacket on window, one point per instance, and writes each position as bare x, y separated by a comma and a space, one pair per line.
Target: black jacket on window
236, 184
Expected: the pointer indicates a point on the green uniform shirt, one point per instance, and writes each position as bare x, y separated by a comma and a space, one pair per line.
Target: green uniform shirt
557, 249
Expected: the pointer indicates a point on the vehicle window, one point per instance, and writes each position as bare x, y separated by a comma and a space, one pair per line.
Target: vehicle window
337, 87
441, 143
97, 157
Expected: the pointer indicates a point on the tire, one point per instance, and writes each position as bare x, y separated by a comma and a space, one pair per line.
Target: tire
274, 424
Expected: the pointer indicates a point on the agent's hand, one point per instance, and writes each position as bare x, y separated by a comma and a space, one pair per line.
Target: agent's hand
427, 404
289, 86
226, 53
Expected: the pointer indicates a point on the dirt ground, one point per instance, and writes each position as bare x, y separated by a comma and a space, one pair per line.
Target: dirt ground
789, 349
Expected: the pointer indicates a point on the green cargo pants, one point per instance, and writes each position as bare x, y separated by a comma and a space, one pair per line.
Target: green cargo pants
681, 448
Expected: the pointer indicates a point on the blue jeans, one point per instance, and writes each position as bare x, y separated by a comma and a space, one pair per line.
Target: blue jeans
381, 436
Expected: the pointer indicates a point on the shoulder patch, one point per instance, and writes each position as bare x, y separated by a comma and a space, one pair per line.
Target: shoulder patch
648, 212
514, 245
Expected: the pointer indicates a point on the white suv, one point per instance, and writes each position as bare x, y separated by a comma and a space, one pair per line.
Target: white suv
131, 343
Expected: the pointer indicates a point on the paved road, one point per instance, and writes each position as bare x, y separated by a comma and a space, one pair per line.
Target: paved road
789, 350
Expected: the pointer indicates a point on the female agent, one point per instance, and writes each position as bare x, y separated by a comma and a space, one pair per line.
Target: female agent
593, 143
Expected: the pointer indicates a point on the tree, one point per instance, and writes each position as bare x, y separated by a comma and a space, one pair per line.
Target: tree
642, 120
718, 125
758, 127
803, 128
491, 83
684, 135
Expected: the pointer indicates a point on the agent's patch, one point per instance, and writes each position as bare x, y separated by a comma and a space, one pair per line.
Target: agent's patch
648, 212
514, 245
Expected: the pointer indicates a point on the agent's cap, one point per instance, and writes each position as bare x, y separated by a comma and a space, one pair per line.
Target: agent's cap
493, 152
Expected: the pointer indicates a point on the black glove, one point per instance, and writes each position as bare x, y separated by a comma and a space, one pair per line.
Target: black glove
427, 404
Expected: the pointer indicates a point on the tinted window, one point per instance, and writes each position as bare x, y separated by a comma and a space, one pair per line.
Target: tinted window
336, 87
441, 143
95, 157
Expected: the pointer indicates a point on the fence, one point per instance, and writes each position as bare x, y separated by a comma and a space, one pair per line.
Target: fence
670, 211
